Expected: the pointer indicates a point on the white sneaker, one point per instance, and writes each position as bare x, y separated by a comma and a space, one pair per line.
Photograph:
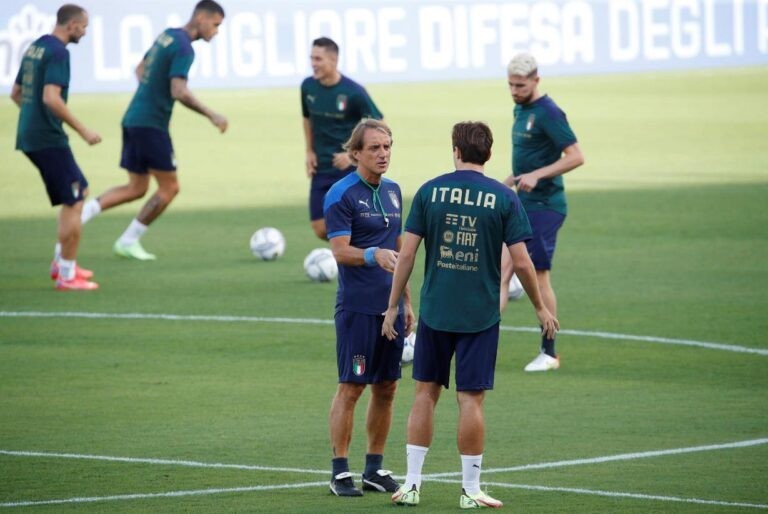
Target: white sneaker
515, 290
543, 362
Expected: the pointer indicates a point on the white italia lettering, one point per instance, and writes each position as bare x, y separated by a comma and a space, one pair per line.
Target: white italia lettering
463, 197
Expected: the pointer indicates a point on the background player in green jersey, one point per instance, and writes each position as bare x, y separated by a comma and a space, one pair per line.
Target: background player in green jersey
41, 90
543, 148
464, 219
331, 105
147, 147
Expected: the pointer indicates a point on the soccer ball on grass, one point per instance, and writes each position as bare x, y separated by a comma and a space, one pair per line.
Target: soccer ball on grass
267, 243
320, 265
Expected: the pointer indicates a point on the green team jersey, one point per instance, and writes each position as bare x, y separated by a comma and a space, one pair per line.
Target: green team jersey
46, 61
333, 112
170, 56
540, 133
465, 218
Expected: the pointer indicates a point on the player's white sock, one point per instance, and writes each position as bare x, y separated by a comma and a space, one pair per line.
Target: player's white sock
470, 473
133, 233
57, 251
90, 209
66, 269
415, 456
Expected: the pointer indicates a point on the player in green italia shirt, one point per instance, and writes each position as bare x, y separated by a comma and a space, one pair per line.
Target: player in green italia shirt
465, 219
543, 148
41, 90
147, 147
331, 105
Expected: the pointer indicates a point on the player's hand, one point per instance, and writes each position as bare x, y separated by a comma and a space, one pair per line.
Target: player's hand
526, 182
90, 137
548, 322
220, 122
341, 160
386, 259
311, 163
388, 325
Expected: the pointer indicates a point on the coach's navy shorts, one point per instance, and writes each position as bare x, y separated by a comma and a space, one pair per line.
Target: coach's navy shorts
541, 247
364, 356
64, 181
475, 357
321, 183
146, 148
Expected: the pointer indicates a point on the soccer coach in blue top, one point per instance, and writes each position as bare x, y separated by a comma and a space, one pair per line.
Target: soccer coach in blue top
363, 217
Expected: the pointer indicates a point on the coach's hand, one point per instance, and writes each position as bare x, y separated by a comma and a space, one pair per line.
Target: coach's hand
386, 259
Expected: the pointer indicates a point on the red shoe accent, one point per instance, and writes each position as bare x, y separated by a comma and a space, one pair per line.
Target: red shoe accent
76, 284
81, 273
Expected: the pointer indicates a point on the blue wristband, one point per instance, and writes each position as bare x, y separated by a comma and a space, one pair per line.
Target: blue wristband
369, 255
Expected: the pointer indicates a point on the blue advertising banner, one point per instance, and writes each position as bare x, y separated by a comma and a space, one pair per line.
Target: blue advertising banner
266, 43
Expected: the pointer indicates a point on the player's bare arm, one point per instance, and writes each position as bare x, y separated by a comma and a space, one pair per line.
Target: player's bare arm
311, 156
52, 99
410, 317
572, 158
180, 92
16, 94
525, 271
349, 255
403, 270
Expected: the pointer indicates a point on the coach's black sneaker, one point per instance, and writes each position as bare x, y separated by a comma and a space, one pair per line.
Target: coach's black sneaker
343, 485
382, 482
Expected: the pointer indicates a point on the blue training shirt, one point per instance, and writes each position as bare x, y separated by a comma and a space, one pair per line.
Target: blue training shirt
349, 210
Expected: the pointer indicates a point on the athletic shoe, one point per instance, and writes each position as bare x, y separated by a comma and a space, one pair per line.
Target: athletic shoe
82, 273
382, 482
478, 501
543, 362
343, 485
76, 284
405, 496
134, 251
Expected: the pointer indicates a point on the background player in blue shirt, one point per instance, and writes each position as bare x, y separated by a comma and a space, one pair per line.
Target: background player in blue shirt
464, 218
543, 148
363, 213
147, 147
331, 105
41, 90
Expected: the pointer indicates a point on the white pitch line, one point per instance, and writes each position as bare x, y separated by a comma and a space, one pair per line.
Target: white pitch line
167, 462
616, 494
171, 494
614, 458
311, 321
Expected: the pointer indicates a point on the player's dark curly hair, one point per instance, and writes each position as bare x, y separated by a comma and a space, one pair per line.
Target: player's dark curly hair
209, 6
473, 140
327, 43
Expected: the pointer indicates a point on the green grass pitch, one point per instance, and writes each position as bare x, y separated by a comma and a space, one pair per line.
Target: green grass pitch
666, 238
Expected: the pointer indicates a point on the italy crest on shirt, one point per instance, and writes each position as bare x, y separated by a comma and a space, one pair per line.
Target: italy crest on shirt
393, 198
358, 365
341, 102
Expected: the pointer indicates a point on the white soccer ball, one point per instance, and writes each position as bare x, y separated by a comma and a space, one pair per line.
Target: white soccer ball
408, 348
320, 265
267, 243
515, 291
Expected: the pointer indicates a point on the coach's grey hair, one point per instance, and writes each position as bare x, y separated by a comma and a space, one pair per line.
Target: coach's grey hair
355, 141
523, 65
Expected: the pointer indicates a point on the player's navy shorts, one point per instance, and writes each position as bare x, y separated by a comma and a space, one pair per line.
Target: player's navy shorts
475, 357
541, 247
64, 181
321, 183
363, 355
146, 148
